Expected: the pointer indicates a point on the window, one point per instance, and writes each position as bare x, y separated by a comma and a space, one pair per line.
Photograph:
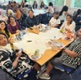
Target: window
76, 3
55, 2
30, 1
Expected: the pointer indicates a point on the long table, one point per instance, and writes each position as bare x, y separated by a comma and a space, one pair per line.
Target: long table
38, 42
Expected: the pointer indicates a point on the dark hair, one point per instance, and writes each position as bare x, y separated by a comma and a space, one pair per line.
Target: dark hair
65, 8
42, 5
6, 30
9, 19
70, 17
50, 4
9, 2
30, 10
77, 13
56, 14
14, 2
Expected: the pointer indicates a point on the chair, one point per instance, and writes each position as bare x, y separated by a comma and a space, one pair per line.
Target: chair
66, 69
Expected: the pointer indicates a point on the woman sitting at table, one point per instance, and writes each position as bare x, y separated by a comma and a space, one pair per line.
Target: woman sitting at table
35, 5
31, 19
13, 25
3, 28
13, 61
68, 25
42, 5
63, 13
50, 8
54, 22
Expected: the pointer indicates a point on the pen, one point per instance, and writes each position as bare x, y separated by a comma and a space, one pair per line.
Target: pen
29, 40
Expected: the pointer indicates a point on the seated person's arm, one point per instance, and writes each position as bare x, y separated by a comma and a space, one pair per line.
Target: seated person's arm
56, 25
70, 53
16, 60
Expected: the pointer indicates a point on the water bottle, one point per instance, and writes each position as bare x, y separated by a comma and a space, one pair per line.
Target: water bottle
54, 39
54, 47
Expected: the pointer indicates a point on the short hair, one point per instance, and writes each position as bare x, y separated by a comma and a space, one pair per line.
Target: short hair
30, 10
50, 4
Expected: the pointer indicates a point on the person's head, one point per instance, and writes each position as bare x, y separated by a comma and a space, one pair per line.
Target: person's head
10, 12
2, 25
42, 3
69, 18
30, 12
9, 3
11, 19
50, 4
79, 33
35, 2
55, 15
3, 39
65, 8
78, 12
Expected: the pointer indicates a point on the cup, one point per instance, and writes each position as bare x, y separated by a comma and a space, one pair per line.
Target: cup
54, 47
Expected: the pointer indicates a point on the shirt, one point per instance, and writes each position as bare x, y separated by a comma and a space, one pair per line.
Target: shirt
51, 9
7, 56
31, 21
70, 27
63, 16
13, 29
54, 21
76, 47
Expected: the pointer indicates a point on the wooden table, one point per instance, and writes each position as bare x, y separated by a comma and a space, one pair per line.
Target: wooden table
51, 53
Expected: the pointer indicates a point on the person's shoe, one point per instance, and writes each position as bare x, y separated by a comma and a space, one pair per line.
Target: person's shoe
45, 76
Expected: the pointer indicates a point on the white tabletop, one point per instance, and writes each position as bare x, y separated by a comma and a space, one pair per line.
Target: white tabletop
39, 11
38, 41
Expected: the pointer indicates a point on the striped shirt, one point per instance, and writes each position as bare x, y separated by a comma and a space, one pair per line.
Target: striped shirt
70, 61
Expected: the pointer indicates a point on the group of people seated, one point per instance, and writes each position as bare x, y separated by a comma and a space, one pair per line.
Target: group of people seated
13, 25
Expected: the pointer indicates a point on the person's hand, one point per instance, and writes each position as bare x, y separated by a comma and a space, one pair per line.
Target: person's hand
18, 54
17, 32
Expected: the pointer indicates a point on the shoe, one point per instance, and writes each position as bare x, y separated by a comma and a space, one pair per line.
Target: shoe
45, 76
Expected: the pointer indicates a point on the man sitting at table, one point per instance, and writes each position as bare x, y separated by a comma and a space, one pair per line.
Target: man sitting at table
73, 51
31, 19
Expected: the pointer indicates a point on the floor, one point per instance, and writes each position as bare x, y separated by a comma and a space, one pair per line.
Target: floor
58, 75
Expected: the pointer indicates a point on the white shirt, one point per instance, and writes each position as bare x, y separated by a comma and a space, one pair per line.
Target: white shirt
7, 47
54, 21
71, 27
51, 9
63, 16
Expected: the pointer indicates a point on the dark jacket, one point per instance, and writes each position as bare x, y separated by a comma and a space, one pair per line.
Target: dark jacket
30, 22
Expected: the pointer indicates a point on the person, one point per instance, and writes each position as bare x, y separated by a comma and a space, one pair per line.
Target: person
18, 14
72, 52
13, 61
13, 25
5, 57
3, 28
50, 8
35, 6
54, 22
63, 13
31, 19
42, 5
68, 25
10, 12
77, 17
